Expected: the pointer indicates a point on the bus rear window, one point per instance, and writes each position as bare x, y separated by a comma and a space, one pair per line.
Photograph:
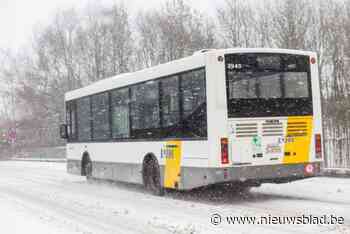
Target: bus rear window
268, 85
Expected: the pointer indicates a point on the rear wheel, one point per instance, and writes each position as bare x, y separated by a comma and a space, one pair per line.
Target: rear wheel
151, 177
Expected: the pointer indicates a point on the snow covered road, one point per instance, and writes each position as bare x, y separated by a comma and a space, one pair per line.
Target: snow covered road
41, 198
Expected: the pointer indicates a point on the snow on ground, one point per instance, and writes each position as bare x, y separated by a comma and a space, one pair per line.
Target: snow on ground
40, 197
337, 172
62, 160
17, 219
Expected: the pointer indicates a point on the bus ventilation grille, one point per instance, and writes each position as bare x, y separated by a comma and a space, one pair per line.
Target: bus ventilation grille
272, 129
246, 130
297, 129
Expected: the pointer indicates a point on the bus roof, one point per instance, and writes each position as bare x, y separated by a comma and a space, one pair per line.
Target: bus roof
265, 50
162, 70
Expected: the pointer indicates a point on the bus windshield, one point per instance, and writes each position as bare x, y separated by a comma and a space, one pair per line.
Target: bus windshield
263, 85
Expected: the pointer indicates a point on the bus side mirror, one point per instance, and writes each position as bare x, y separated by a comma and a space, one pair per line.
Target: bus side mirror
63, 131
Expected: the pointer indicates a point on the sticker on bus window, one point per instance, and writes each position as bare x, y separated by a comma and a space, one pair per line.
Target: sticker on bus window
234, 66
167, 152
273, 149
285, 140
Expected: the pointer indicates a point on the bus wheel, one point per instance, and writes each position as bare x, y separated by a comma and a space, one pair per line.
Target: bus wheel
151, 177
87, 168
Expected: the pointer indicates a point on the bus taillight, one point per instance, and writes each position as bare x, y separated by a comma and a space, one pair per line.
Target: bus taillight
224, 151
318, 146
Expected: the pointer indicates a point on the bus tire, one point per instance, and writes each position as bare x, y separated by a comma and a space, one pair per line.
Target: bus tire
87, 167
151, 176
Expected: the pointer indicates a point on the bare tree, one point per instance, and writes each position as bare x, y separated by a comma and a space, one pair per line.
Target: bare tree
263, 25
120, 39
149, 39
104, 42
172, 32
291, 22
236, 19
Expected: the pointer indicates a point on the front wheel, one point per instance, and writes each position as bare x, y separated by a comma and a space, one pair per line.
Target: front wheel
88, 170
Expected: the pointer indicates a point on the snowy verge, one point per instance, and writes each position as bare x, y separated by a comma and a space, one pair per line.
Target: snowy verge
336, 172
58, 160
17, 219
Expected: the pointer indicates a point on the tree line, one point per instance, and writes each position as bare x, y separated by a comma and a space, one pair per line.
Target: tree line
78, 47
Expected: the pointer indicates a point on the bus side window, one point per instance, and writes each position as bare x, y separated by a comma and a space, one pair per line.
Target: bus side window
73, 110
120, 113
194, 104
71, 120
170, 107
145, 121
84, 119
68, 120
100, 116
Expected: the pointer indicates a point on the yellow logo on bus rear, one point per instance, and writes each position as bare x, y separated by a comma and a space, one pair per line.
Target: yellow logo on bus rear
172, 155
298, 140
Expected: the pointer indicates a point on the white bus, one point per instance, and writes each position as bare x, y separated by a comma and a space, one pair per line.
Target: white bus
245, 116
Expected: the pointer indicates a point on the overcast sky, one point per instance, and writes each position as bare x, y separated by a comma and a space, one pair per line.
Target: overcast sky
18, 17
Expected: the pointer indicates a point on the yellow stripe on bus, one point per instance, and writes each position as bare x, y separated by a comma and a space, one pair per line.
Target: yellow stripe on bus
172, 164
298, 140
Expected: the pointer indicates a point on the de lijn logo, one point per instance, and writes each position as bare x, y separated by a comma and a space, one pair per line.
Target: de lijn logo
256, 145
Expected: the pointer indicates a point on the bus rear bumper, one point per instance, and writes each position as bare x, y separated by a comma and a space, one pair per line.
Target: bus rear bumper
282, 173
194, 177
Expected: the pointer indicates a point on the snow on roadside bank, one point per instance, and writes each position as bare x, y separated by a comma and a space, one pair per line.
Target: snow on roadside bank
59, 160
17, 220
344, 172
